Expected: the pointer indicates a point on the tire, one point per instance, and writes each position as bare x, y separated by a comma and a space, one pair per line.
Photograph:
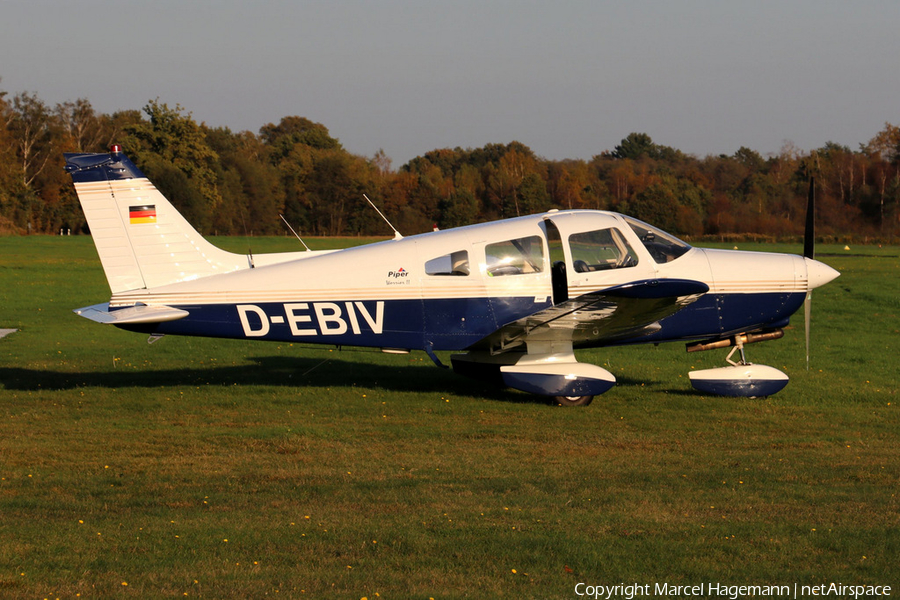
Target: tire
573, 400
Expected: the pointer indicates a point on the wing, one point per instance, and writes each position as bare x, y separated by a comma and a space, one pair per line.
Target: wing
623, 311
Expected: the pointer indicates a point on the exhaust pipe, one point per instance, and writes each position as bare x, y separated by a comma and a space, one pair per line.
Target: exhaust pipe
742, 339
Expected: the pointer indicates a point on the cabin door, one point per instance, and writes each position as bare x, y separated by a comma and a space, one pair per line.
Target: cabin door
558, 276
590, 252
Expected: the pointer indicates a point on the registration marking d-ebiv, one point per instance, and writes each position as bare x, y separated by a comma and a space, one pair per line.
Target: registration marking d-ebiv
314, 318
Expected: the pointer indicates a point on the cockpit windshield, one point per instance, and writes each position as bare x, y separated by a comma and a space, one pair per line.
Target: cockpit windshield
663, 247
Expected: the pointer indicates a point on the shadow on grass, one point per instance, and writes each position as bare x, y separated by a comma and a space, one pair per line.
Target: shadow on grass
271, 371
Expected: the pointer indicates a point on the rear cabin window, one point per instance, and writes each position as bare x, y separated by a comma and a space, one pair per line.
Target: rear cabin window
600, 250
515, 257
454, 264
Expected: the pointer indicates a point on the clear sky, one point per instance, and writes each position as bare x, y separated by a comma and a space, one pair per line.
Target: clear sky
568, 78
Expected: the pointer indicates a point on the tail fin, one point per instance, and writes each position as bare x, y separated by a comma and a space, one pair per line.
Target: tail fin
143, 242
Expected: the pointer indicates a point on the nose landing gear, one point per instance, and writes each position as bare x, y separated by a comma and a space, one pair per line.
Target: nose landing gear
742, 378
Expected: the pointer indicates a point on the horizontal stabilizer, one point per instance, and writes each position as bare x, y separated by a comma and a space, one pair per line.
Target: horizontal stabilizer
133, 315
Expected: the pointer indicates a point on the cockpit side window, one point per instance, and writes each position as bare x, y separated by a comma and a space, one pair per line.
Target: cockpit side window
515, 257
663, 247
455, 263
600, 250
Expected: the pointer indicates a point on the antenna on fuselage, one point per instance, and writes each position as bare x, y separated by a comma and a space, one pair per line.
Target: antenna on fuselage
294, 232
397, 235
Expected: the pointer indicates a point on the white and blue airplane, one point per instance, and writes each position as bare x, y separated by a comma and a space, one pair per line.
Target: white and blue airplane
514, 297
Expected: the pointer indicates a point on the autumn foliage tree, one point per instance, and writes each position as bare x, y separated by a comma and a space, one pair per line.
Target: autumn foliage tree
241, 182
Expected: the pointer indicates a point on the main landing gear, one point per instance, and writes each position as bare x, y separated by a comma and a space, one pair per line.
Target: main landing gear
554, 374
573, 400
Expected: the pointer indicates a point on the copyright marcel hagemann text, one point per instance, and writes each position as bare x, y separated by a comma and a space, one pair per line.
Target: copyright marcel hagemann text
634, 590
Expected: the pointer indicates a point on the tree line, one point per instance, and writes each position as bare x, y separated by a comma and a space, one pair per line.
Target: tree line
228, 183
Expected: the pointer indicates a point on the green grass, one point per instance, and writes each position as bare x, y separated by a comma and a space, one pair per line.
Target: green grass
354, 473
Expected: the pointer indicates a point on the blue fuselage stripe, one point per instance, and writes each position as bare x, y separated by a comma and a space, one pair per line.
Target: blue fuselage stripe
452, 324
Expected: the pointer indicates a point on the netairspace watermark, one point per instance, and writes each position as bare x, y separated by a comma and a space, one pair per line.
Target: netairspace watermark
632, 591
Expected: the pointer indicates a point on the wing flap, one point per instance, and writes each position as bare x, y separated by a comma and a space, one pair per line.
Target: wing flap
133, 315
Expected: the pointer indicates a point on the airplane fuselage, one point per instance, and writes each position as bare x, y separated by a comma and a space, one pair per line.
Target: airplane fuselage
393, 295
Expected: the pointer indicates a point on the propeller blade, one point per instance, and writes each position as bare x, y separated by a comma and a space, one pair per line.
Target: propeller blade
809, 251
809, 235
807, 313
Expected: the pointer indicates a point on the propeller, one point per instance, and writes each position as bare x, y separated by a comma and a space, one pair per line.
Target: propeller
809, 251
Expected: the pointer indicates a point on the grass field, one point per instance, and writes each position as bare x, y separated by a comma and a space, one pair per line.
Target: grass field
217, 469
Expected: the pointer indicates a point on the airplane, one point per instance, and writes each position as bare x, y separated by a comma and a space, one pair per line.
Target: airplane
512, 298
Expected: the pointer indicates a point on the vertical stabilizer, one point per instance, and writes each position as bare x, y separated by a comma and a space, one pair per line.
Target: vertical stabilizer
143, 242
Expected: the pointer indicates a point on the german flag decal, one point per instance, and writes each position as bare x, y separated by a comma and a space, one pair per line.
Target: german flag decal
142, 214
